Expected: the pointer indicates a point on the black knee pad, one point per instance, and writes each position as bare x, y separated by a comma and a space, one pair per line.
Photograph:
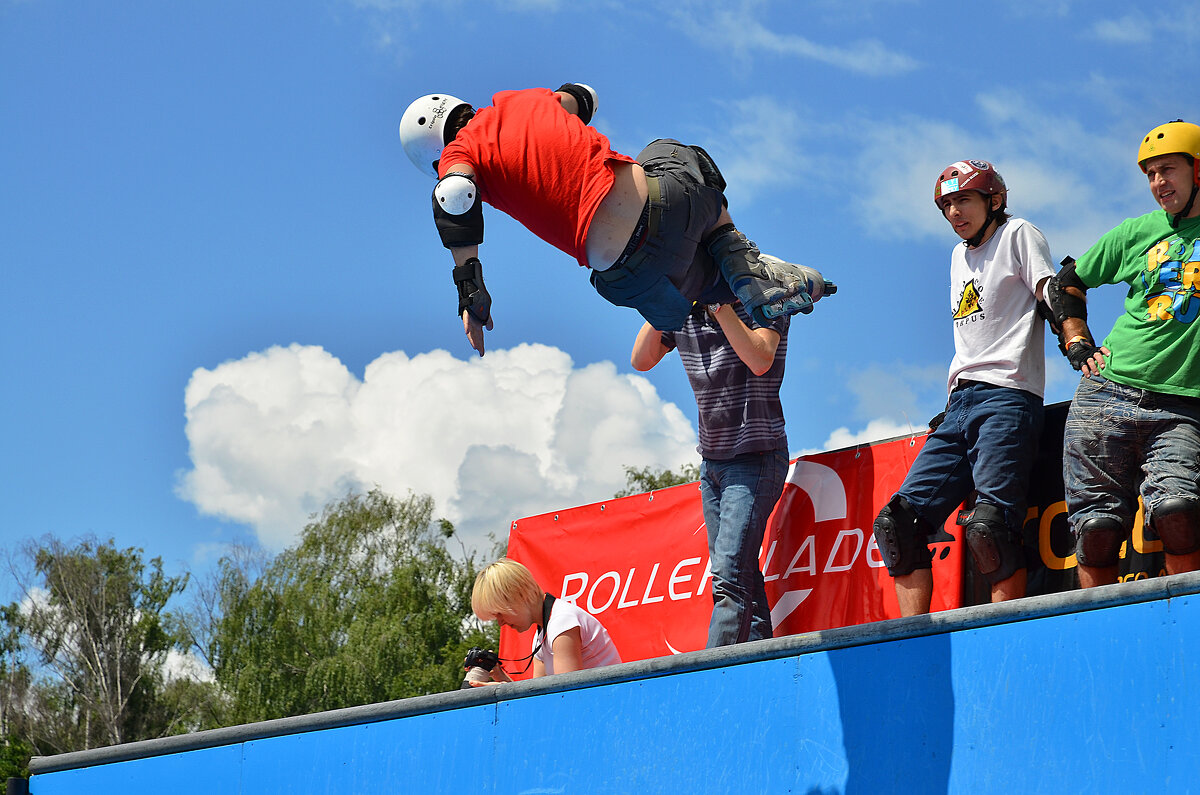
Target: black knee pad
1176, 522
1099, 542
901, 535
997, 553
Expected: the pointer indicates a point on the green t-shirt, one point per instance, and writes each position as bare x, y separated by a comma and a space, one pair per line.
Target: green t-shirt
1155, 343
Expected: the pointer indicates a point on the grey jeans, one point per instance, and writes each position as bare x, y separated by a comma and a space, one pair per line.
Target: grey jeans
670, 270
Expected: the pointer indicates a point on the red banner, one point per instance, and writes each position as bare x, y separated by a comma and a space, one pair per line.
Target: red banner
640, 563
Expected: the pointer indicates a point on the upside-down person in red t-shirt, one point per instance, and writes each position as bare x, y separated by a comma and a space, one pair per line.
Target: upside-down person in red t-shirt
654, 231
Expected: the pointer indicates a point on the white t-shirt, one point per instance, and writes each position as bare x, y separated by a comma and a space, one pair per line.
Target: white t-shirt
998, 336
598, 648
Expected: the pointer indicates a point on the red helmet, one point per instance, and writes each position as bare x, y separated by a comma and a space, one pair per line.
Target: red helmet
979, 175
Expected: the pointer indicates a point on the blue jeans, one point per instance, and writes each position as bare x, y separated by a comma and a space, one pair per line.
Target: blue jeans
1120, 440
987, 442
738, 496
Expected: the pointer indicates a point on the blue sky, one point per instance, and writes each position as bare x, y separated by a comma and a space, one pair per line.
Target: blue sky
224, 302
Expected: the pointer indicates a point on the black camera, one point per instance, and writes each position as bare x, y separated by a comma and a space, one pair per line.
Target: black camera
479, 664
481, 658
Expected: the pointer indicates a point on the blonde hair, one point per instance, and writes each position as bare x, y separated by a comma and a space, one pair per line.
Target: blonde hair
504, 584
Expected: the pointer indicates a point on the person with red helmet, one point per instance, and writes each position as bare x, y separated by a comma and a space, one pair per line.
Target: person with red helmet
654, 231
1133, 429
986, 439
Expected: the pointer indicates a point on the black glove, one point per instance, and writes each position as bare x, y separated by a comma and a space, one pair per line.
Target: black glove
472, 294
1079, 350
936, 421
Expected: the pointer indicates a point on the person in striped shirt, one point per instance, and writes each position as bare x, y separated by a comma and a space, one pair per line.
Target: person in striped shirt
735, 366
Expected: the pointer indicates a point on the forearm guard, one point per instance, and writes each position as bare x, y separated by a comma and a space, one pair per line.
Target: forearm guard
472, 294
1063, 303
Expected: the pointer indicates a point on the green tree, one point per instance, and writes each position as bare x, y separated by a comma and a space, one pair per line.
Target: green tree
640, 481
97, 633
369, 606
15, 681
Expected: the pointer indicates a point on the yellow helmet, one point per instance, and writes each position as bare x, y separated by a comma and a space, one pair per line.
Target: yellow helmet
1174, 137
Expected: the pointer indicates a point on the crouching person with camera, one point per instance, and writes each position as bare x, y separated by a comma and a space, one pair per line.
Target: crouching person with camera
568, 638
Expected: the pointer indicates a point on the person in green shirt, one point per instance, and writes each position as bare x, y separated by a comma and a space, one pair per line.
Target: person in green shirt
1133, 428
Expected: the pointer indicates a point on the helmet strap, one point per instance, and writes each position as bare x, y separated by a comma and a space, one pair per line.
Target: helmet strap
1187, 208
992, 215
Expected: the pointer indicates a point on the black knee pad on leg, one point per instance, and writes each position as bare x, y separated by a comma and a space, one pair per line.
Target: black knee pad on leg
1176, 522
901, 534
1099, 544
997, 553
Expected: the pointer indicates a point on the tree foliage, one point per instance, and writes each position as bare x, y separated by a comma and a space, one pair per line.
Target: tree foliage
15, 681
639, 481
369, 606
97, 638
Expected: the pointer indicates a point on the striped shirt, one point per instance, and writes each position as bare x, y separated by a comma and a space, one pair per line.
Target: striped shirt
739, 412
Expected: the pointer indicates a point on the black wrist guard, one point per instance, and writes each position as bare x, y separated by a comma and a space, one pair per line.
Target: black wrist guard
472, 294
1079, 351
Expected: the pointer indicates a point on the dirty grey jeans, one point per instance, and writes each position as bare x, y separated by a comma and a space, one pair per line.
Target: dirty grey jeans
670, 270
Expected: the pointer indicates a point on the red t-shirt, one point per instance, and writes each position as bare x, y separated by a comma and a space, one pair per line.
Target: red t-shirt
538, 163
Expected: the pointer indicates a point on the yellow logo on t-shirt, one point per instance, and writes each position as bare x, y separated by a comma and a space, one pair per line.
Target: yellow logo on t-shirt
1172, 281
970, 302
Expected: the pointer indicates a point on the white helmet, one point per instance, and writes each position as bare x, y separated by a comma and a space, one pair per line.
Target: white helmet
423, 128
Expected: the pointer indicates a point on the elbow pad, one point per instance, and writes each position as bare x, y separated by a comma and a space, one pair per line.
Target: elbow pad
1062, 303
457, 211
585, 98
1046, 313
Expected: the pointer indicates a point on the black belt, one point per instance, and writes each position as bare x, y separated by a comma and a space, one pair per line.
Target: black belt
963, 383
1187, 400
636, 239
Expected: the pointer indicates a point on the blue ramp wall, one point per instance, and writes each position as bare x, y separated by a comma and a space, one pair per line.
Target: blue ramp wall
1095, 691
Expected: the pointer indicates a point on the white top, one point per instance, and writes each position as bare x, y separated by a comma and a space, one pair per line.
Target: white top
598, 648
998, 336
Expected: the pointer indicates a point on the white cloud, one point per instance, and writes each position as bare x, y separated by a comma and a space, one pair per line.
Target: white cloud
1140, 28
1129, 29
276, 435
385, 5
34, 599
899, 400
738, 30
761, 148
900, 160
185, 665
1061, 380
898, 393
1073, 180
875, 431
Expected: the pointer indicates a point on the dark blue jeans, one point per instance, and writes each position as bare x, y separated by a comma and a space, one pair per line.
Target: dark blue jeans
987, 442
738, 496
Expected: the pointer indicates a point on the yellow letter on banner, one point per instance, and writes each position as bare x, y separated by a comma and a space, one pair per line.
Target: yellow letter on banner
1140, 543
1052, 560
